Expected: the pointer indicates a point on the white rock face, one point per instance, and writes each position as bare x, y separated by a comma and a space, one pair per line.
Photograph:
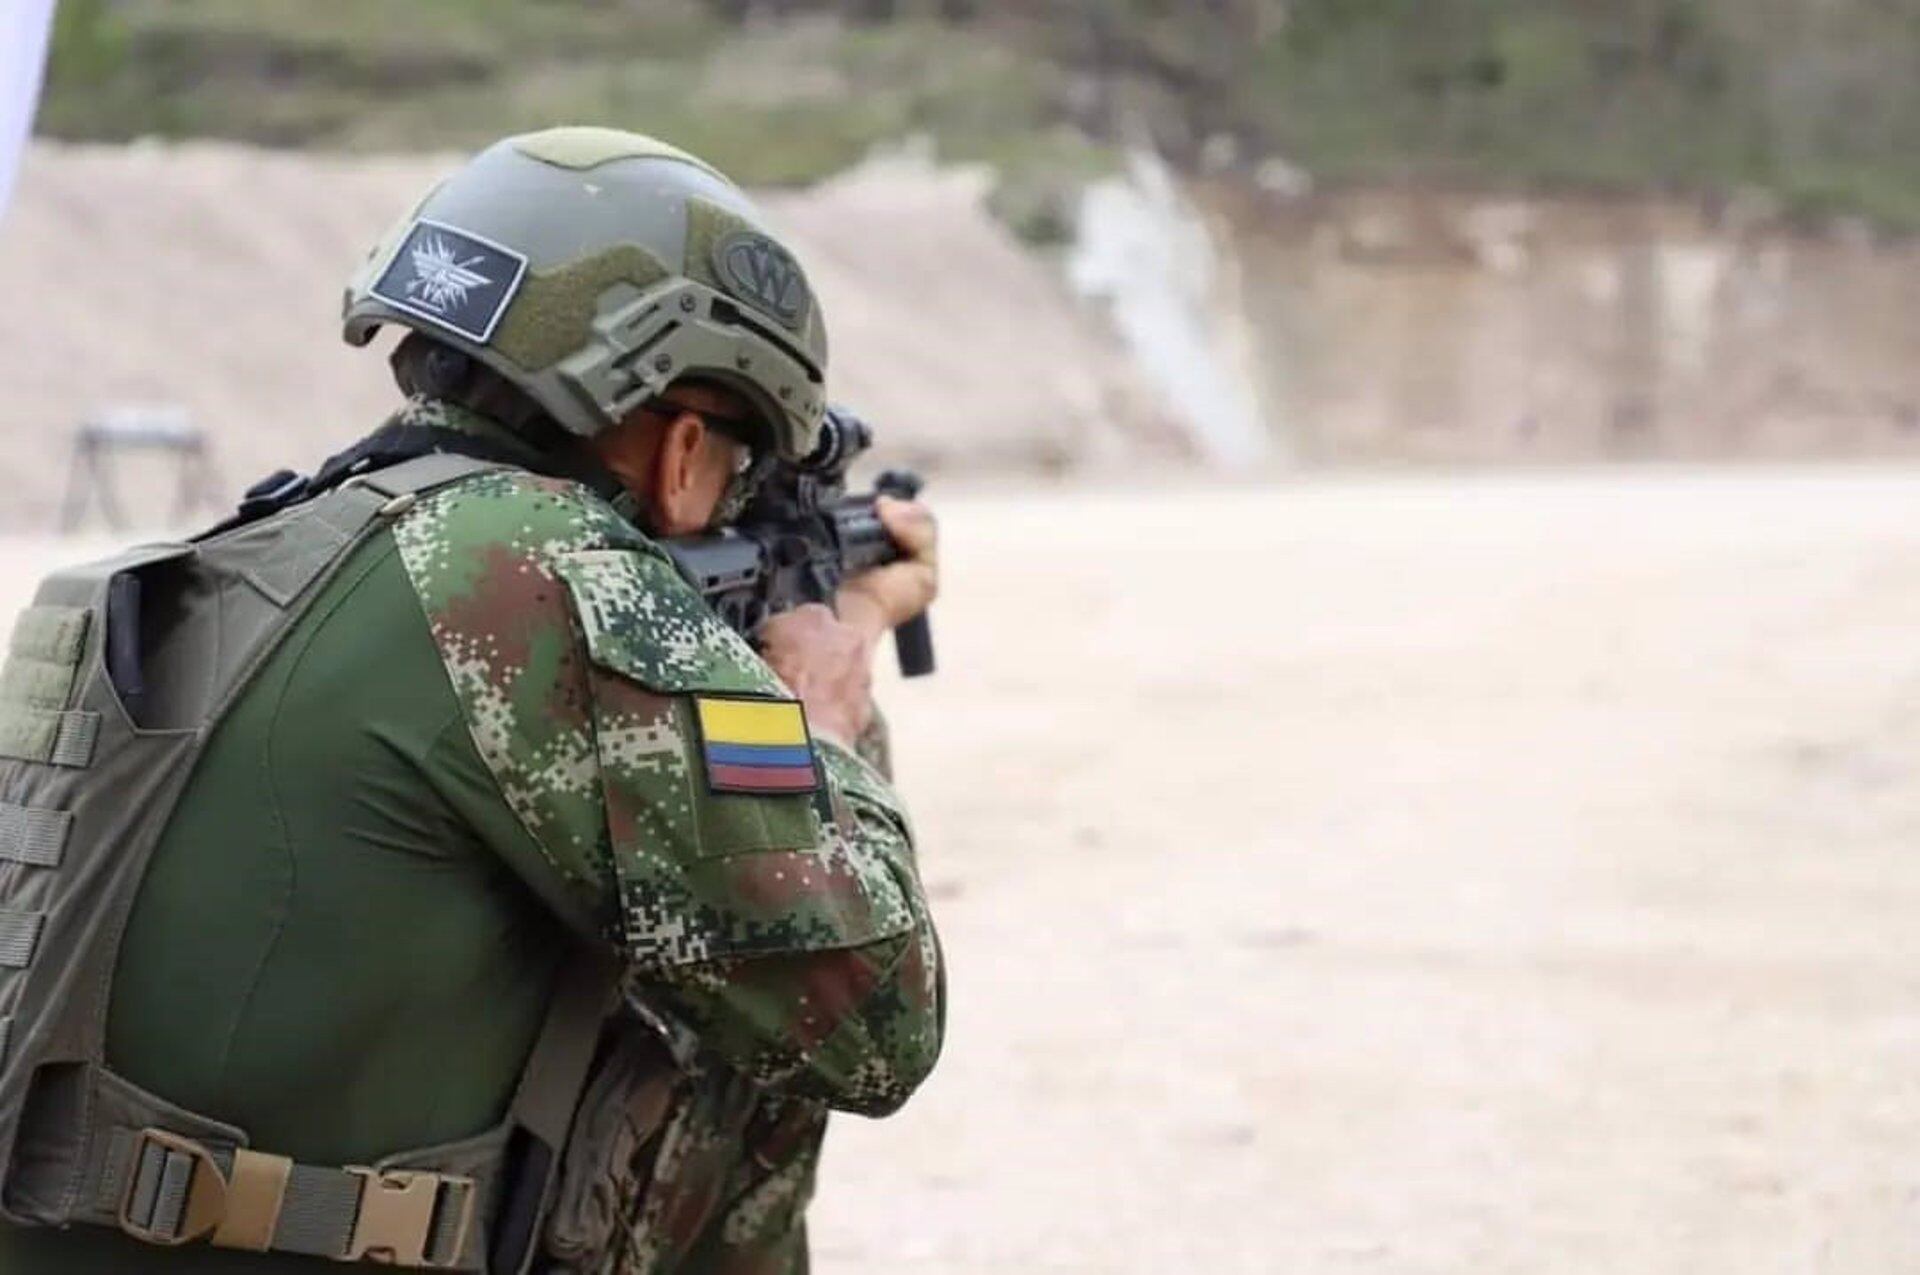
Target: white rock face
955, 337
1147, 253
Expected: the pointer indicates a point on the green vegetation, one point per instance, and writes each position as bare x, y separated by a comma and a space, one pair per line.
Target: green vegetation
1819, 104
783, 104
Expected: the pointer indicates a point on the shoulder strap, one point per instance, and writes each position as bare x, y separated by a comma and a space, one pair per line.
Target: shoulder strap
544, 1104
423, 474
284, 489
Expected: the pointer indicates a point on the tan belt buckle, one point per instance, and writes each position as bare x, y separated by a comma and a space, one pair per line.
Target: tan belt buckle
395, 1224
206, 1190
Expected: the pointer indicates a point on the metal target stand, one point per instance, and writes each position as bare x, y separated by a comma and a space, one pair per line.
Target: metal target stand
115, 431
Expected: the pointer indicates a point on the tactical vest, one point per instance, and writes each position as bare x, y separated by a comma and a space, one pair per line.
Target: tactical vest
115, 679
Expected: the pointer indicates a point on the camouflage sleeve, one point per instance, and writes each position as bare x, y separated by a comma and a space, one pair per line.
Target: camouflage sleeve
480, 558
788, 931
778, 917
875, 745
858, 1028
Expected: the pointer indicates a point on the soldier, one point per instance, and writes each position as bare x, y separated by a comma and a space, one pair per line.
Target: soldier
415, 870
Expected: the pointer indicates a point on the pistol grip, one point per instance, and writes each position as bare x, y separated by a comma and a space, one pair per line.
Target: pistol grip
913, 644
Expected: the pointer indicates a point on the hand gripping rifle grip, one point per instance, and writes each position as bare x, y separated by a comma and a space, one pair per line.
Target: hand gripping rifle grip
912, 641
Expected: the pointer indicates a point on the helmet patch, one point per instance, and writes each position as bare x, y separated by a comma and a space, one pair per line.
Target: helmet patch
451, 278
764, 275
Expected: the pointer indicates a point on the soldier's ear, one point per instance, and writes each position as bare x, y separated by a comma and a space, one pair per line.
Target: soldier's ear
677, 475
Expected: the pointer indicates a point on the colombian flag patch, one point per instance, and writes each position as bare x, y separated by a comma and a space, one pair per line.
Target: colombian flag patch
758, 746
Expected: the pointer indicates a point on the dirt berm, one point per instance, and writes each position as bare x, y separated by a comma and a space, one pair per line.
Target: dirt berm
209, 276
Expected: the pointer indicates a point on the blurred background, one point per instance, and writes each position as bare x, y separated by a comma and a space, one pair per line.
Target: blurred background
1423, 774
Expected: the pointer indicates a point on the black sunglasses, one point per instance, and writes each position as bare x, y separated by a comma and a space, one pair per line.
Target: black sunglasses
745, 432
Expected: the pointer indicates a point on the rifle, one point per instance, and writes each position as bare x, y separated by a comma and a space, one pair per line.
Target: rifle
799, 537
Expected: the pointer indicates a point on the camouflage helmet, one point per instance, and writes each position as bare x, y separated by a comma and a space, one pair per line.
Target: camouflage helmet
591, 268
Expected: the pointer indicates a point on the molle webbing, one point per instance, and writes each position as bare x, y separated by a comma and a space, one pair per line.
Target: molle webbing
19, 936
37, 838
50, 738
36, 682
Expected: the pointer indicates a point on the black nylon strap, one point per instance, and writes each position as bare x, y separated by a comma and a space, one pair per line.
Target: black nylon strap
395, 443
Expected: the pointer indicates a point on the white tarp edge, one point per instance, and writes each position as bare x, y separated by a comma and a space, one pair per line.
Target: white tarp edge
24, 28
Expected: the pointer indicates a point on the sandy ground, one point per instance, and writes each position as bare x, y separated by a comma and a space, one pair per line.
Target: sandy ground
1469, 876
